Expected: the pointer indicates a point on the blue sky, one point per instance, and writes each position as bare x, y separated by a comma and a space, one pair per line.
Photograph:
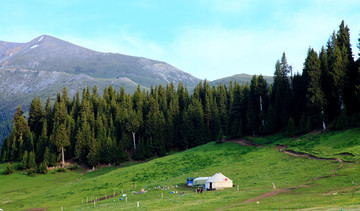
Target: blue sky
208, 38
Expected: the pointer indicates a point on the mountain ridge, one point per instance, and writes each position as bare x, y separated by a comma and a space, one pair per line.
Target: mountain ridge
48, 53
241, 78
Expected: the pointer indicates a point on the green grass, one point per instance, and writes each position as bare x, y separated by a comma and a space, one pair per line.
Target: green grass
253, 169
344, 145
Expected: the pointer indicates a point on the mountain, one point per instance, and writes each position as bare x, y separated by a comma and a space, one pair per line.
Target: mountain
47, 53
240, 78
43, 66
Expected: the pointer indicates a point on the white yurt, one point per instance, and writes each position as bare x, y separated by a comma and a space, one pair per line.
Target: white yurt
200, 181
218, 181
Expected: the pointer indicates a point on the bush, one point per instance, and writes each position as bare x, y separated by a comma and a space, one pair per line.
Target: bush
60, 170
219, 137
31, 160
9, 169
24, 161
31, 172
74, 167
43, 168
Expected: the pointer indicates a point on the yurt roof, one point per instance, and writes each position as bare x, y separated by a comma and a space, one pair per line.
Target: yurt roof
218, 177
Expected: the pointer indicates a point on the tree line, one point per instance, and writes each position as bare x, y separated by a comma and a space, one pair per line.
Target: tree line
92, 128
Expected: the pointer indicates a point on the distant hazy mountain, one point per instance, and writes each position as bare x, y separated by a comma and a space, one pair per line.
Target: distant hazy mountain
240, 78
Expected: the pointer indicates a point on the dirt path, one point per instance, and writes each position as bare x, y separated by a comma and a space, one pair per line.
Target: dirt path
244, 142
341, 190
271, 194
307, 155
283, 148
38, 209
310, 156
104, 198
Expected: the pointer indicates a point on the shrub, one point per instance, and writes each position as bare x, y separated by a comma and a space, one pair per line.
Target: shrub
60, 170
219, 137
31, 172
74, 167
24, 161
31, 160
9, 169
43, 168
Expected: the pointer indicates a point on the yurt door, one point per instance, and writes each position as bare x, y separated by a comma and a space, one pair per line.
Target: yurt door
210, 185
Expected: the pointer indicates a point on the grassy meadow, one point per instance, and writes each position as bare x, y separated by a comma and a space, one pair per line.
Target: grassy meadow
253, 169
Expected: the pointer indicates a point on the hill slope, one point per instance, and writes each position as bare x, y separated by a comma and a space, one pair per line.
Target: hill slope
301, 183
240, 78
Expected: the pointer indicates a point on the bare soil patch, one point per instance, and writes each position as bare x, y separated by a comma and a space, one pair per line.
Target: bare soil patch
104, 198
310, 156
342, 190
38, 209
244, 142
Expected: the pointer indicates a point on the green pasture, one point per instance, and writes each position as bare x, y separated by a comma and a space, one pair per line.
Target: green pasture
253, 169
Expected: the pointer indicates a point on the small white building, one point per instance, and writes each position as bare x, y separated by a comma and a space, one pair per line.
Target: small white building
218, 181
200, 181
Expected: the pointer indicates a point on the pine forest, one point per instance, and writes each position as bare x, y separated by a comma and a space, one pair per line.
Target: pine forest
109, 128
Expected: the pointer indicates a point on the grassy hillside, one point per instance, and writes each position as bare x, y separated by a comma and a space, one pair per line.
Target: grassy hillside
317, 184
343, 145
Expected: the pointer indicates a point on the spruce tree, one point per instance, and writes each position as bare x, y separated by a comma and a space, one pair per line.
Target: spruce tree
314, 93
281, 93
36, 114
133, 123
31, 164
219, 137
62, 141
47, 156
290, 131
24, 161
140, 151
93, 156
43, 168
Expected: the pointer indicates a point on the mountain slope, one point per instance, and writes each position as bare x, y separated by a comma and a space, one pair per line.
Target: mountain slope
309, 183
48, 53
43, 66
19, 87
240, 78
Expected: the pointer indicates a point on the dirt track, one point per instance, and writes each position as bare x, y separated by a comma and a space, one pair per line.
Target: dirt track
104, 198
271, 194
282, 148
244, 142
